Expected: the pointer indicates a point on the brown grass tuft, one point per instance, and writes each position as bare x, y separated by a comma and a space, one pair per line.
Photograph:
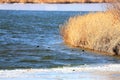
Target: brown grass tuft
97, 31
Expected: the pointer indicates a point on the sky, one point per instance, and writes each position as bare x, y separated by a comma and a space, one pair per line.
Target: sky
54, 7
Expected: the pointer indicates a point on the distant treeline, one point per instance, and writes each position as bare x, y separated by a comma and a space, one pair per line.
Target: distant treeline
55, 1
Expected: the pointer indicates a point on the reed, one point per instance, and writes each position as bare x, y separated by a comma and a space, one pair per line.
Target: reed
115, 8
98, 31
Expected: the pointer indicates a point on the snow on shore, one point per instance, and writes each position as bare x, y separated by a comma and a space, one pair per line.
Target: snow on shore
55, 7
86, 72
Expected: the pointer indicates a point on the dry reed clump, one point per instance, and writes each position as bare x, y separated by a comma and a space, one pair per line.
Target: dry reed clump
97, 31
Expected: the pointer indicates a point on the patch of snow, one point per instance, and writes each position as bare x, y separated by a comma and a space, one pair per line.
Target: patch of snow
86, 72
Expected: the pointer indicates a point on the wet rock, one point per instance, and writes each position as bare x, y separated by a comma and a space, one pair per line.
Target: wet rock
83, 50
38, 46
48, 47
72, 50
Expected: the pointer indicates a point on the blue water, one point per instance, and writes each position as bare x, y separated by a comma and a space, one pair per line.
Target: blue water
31, 39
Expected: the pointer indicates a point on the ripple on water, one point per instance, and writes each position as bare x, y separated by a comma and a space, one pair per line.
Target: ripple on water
31, 39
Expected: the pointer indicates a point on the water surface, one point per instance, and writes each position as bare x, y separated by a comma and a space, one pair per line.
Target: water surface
31, 39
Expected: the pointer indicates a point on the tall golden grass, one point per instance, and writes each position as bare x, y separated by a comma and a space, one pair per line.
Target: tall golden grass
98, 31
116, 7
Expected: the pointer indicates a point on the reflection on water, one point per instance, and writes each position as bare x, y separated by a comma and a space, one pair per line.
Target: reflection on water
30, 39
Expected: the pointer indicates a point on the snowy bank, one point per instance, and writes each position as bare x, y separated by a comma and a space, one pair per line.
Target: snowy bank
86, 72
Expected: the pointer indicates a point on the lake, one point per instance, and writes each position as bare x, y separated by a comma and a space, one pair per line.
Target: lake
31, 39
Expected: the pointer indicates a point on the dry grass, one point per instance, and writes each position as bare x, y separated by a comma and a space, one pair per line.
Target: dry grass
97, 31
115, 7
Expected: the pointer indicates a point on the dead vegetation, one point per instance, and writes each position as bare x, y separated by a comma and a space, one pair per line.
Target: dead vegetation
98, 31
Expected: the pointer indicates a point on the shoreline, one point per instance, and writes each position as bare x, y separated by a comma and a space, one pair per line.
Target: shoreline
90, 72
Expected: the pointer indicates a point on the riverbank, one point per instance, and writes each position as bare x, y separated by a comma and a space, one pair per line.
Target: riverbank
55, 1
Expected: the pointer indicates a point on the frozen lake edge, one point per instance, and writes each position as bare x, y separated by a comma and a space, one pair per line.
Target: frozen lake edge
86, 72
55, 7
